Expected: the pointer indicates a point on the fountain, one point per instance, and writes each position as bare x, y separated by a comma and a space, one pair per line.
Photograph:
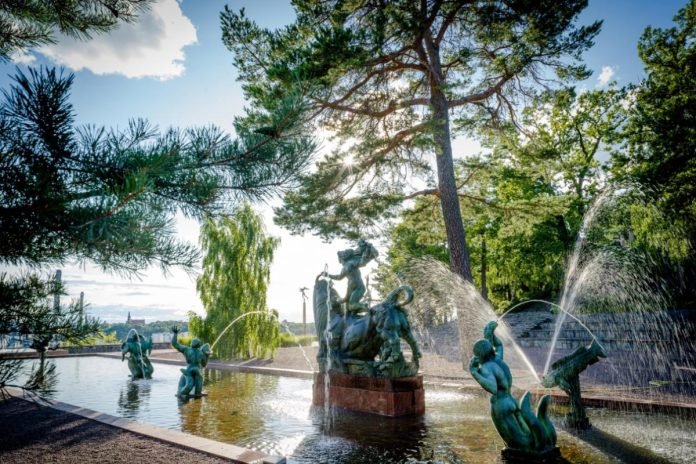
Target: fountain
369, 361
362, 365
266, 313
138, 349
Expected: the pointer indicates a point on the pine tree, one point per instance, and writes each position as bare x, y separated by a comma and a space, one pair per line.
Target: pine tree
109, 197
29, 23
28, 308
394, 81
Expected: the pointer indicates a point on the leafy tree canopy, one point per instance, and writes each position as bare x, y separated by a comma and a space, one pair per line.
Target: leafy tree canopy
233, 286
661, 133
522, 203
659, 153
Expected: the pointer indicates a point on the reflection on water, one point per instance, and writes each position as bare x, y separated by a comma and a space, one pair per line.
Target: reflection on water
130, 397
274, 415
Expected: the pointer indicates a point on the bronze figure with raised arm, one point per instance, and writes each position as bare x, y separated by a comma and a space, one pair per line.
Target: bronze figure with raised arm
352, 260
196, 356
526, 435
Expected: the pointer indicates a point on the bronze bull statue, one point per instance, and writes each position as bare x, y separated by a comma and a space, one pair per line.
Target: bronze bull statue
369, 344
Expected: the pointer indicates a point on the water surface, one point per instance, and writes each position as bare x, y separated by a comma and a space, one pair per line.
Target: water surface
274, 415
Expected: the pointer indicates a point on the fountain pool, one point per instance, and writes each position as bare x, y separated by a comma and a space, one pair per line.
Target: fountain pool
274, 415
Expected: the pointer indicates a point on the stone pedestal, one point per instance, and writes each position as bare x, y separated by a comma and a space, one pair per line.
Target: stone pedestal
402, 396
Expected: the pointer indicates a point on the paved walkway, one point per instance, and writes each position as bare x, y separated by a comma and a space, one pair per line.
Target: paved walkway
31, 434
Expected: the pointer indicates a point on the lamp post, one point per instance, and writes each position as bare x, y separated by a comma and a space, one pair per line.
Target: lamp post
303, 290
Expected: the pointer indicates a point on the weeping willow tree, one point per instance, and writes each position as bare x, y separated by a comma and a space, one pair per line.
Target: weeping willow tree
236, 270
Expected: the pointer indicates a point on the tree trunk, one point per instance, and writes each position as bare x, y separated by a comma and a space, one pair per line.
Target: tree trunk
42, 362
449, 198
564, 233
484, 286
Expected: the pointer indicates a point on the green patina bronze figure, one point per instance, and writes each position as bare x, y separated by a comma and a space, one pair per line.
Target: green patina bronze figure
565, 373
352, 260
138, 349
363, 344
528, 437
197, 358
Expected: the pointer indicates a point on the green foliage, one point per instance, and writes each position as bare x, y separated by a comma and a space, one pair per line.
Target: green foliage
120, 329
659, 151
28, 308
110, 197
565, 132
524, 200
385, 78
662, 130
288, 340
524, 252
99, 339
25, 24
185, 340
234, 282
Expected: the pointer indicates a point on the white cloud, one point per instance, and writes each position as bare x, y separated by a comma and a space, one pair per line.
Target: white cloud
23, 58
150, 47
605, 76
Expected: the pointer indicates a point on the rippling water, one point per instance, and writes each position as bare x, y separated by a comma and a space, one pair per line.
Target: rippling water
274, 415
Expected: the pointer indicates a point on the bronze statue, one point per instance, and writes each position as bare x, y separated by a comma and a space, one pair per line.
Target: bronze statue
528, 437
352, 260
365, 344
138, 349
197, 358
565, 373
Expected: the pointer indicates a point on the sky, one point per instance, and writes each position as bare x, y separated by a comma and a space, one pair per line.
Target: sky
171, 68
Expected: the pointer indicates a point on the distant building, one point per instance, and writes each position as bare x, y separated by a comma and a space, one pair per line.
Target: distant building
130, 321
166, 337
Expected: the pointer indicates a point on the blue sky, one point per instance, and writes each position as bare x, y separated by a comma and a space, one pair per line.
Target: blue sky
172, 68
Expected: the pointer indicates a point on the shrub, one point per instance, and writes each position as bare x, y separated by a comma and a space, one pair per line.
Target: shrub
287, 340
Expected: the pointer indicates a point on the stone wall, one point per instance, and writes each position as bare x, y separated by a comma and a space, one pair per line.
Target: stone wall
109, 348
641, 347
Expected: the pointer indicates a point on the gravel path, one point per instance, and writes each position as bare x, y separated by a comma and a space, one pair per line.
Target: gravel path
33, 434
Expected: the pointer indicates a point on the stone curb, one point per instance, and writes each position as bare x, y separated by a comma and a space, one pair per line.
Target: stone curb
229, 367
233, 453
